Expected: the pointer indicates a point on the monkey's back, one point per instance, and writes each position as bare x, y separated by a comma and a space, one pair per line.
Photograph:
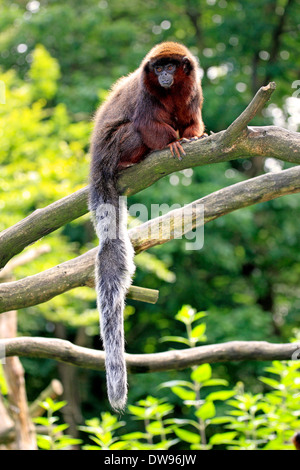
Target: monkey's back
121, 103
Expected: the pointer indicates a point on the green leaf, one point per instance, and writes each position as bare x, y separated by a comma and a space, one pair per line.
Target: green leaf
222, 438
187, 436
202, 373
58, 405
206, 411
220, 395
184, 394
213, 382
118, 445
222, 420
137, 411
174, 383
176, 339
186, 314
134, 435
67, 442
100, 442
199, 315
42, 420
155, 428
198, 331
44, 442
271, 382
60, 428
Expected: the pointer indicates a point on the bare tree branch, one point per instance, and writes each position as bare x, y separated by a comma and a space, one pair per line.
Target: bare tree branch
30, 255
269, 141
80, 271
240, 124
64, 351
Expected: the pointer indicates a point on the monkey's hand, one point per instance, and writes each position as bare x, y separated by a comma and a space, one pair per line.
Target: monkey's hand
176, 148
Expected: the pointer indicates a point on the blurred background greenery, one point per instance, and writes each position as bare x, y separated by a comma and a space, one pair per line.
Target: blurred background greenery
57, 60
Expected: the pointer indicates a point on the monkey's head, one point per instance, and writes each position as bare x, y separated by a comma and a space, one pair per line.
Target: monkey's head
168, 64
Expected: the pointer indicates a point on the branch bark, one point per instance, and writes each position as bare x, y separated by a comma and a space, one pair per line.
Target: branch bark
64, 351
235, 129
235, 142
24, 437
80, 271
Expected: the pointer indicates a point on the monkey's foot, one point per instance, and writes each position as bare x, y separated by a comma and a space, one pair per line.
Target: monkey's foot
124, 165
176, 149
195, 137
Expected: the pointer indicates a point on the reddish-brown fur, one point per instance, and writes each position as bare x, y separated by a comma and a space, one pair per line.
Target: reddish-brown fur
171, 113
139, 116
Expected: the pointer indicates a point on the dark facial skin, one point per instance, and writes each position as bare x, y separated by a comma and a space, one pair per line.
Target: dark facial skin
165, 74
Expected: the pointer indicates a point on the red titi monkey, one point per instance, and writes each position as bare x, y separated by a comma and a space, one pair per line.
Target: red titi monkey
148, 110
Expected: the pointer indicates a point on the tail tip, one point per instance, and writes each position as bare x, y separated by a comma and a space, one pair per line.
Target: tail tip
117, 393
118, 404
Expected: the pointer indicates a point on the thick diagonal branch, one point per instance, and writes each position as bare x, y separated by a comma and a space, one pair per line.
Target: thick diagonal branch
80, 271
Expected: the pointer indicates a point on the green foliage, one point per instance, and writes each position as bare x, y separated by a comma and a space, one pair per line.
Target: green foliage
44, 74
102, 431
190, 391
54, 439
96, 42
152, 412
263, 421
251, 421
268, 421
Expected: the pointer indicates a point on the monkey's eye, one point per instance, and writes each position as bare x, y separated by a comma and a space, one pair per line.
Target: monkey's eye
158, 69
170, 68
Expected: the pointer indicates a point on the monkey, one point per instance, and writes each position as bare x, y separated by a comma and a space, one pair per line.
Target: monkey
157, 106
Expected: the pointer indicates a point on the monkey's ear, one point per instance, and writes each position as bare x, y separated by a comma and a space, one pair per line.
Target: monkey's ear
187, 66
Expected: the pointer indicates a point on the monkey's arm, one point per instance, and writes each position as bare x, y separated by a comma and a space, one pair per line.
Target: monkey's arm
160, 135
192, 127
190, 120
195, 129
157, 135
151, 120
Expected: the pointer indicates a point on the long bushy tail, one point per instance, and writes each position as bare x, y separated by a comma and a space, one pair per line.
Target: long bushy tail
114, 270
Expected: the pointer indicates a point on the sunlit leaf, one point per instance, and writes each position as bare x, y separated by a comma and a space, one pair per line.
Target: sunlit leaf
187, 436
201, 373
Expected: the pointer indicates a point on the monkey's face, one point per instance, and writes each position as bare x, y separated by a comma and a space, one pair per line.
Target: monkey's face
165, 74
